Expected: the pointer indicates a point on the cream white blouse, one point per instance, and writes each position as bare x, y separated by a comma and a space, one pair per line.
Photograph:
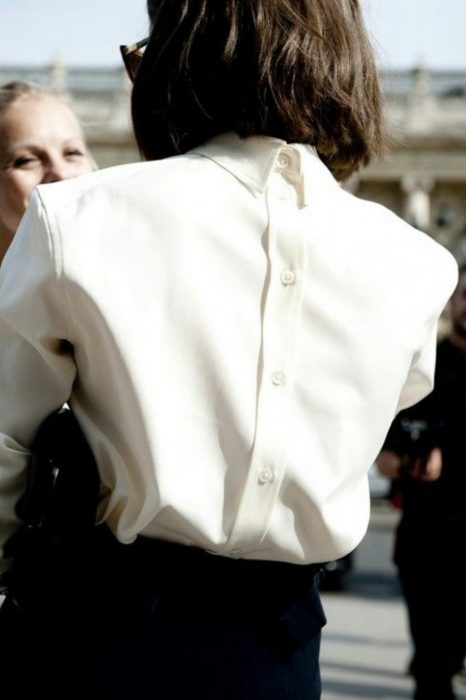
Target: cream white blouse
239, 333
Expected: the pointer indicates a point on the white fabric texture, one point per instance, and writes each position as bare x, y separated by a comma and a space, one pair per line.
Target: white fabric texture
235, 334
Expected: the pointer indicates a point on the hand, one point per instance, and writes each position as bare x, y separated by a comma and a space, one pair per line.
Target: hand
428, 468
389, 464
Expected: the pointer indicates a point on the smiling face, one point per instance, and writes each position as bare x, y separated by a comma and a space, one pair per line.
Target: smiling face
40, 141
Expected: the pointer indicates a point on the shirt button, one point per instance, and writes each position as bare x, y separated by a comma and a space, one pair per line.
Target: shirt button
236, 552
288, 277
278, 378
283, 161
265, 476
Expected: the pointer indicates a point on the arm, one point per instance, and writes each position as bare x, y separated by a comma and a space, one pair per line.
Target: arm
36, 364
435, 283
393, 466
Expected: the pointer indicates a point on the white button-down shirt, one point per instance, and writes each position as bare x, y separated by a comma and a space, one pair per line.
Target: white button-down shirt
240, 333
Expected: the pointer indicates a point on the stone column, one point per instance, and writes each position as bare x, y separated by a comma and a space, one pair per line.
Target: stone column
57, 79
417, 206
421, 104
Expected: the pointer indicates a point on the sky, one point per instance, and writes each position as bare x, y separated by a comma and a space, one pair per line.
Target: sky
88, 32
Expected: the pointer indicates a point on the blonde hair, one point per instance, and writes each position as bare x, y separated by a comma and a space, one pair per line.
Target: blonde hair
10, 93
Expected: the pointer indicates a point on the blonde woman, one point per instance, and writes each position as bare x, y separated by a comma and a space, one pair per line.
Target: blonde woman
41, 141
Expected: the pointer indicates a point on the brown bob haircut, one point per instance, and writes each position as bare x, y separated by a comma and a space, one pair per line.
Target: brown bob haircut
299, 70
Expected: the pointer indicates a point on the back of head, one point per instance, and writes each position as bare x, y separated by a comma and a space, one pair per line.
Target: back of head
300, 70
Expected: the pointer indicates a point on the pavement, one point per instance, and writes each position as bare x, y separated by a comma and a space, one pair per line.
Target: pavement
365, 645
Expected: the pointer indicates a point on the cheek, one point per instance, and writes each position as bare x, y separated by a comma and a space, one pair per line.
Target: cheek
83, 168
15, 191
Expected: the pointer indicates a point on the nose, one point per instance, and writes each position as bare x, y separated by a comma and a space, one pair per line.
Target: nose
58, 169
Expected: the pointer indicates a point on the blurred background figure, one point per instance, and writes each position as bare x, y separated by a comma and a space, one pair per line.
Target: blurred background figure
425, 452
41, 141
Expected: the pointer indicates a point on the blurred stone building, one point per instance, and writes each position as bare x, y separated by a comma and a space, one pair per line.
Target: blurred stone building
423, 179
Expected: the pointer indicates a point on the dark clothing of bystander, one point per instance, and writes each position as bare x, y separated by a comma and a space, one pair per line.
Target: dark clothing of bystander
430, 546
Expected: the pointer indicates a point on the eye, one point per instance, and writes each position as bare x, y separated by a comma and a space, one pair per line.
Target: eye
25, 162
74, 153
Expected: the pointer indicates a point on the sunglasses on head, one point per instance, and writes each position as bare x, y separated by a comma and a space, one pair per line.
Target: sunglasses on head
132, 55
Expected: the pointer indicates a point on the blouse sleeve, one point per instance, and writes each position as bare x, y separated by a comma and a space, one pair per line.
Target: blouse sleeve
440, 285
36, 361
420, 381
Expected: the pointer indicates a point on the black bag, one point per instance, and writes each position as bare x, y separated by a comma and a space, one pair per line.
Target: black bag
58, 513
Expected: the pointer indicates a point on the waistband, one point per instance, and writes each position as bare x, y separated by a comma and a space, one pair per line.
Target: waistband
97, 576
190, 572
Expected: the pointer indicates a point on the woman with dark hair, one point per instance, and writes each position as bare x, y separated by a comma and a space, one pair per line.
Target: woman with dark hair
235, 333
302, 72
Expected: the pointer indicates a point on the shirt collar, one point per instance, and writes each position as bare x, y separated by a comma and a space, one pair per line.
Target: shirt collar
252, 159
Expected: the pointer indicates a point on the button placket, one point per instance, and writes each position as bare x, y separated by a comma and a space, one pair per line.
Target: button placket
283, 167
281, 316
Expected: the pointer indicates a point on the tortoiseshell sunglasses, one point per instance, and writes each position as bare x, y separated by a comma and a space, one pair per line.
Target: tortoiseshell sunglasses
131, 55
